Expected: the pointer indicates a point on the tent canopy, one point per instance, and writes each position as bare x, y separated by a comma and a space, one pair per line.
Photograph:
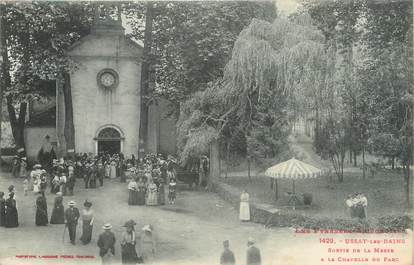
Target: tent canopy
293, 169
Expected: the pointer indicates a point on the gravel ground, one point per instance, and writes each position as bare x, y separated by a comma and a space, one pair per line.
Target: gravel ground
189, 232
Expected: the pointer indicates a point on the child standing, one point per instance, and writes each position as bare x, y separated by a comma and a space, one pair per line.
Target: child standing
172, 191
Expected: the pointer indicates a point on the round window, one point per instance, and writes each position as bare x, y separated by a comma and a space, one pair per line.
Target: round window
107, 79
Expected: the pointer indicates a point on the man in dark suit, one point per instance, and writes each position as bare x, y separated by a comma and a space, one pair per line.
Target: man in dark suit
72, 216
106, 244
253, 253
227, 257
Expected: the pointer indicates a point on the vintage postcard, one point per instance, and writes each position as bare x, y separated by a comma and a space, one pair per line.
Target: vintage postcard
206, 132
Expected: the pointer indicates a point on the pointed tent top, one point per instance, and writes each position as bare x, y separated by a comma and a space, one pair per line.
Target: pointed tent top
293, 169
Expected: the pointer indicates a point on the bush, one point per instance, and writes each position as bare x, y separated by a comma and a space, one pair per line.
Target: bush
392, 223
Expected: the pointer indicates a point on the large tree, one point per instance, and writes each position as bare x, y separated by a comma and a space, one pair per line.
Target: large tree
251, 101
37, 35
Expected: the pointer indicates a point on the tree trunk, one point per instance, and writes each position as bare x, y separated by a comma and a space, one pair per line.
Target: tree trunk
363, 162
248, 168
355, 159
17, 124
276, 190
69, 130
227, 159
407, 184
3, 53
145, 78
393, 162
214, 164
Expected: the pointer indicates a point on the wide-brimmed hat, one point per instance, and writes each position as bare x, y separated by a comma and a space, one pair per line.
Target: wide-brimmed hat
147, 228
37, 166
72, 203
130, 223
107, 226
251, 240
87, 203
59, 193
20, 150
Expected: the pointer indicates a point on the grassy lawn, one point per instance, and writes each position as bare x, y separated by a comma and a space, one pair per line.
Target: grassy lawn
385, 193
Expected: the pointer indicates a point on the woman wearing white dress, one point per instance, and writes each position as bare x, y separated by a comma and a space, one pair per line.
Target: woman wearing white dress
152, 195
113, 169
244, 207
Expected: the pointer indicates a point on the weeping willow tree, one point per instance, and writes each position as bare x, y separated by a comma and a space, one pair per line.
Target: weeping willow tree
252, 102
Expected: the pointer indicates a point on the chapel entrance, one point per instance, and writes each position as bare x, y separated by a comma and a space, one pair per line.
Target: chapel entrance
109, 141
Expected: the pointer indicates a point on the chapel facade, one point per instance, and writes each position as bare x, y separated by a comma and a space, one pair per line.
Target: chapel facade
105, 95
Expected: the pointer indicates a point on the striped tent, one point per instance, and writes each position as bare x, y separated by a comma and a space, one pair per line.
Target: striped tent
293, 169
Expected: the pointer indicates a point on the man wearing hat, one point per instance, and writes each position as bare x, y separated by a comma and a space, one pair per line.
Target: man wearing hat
72, 216
227, 257
106, 244
253, 253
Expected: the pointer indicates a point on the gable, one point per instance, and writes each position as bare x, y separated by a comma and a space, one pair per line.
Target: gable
105, 45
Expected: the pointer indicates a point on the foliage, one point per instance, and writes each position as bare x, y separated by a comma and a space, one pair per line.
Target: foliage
192, 41
38, 33
250, 103
369, 85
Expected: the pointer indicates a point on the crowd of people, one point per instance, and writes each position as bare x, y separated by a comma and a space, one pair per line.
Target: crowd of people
147, 185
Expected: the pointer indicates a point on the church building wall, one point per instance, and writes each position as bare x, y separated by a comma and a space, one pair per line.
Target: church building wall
94, 107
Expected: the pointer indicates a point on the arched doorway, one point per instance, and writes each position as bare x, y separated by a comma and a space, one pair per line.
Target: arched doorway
109, 140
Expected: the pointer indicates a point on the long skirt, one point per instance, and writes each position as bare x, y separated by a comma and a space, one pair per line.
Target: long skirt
141, 197
23, 172
12, 218
92, 183
107, 171
113, 172
161, 196
129, 254
133, 197
86, 232
358, 211
41, 216
152, 198
58, 215
2, 215
244, 211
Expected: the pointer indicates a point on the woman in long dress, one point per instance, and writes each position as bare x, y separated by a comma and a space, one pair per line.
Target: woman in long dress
2, 209
12, 217
87, 223
141, 191
41, 210
58, 212
107, 169
244, 206
133, 192
128, 241
161, 191
113, 169
152, 196
23, 169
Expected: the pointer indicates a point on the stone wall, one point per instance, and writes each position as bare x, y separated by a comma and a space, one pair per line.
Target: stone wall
34, 137
259, 212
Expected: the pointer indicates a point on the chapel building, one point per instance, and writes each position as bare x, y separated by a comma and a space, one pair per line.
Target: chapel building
105, 95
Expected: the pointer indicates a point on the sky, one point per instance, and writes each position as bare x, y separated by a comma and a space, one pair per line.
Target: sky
287, 7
